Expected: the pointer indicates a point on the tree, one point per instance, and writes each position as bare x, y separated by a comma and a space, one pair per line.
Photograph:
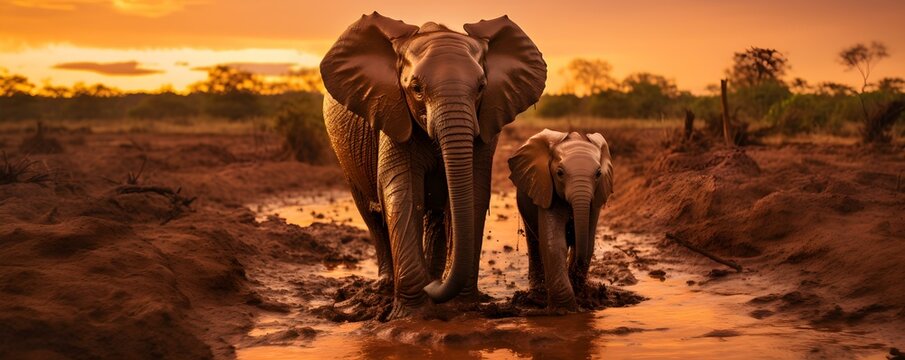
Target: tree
91, 102
756, 66
96, 90
834, 89
14, 85
800, 85
223, 79
16, 100
50, 90
587, 76
891, 85
301, 79
649, 95
554, 106
756, 80
230, 92
863, 58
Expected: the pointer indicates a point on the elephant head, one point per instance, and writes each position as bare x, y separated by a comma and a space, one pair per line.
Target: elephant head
458, 88
572, 168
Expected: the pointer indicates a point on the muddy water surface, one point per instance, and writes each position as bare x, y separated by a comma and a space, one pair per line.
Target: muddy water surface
687, 314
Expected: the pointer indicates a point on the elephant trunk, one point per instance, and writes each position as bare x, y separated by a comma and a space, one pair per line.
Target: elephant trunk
584, 235
456, 137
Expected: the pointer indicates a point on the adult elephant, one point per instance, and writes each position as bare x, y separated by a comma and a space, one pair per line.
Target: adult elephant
408, 107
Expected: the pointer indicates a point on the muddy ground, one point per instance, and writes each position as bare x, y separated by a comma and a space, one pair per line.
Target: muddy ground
145, 245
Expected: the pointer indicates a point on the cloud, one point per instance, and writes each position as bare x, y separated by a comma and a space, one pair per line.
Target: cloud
146, 8
126, 68
53, 4
265, 69
152, 8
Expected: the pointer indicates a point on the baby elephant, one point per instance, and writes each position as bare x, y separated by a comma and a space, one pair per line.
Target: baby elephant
563, 180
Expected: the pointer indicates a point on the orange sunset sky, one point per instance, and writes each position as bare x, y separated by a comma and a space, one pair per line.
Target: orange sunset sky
145, 44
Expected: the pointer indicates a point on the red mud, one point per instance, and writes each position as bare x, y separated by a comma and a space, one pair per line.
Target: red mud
826, 221
87, 271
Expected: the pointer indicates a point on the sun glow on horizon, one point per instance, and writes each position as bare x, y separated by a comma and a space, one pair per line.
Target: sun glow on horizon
141, 45
177, 67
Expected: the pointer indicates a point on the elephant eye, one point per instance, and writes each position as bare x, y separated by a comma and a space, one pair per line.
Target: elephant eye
416, 87
481, 85
560, 172
597, 175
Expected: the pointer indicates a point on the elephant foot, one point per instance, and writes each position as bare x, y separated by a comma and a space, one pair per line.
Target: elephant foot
384, 284
402, 310
579, 285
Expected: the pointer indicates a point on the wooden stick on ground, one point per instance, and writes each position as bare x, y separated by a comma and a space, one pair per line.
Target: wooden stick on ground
177, 201
689, 124
727, 131
712, 256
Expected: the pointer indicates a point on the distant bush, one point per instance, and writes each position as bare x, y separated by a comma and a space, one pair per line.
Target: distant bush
18, 107
755, 101
166, 105
829, 112
800, 113
708, 109
234, 105
555, 106
885, 110
301, 123
608, 104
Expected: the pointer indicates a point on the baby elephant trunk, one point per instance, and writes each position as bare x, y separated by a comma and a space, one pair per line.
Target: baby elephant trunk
584, 238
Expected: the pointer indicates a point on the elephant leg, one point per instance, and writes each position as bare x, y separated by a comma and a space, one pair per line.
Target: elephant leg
483, 169
435, 242
528, 212
379, 234
401, 177
355, 143
554, 255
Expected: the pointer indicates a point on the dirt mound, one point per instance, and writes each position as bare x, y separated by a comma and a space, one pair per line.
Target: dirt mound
92, 267
824, 214
75, 280
40, 143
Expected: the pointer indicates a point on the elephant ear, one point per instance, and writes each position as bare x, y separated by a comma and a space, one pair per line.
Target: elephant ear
515, 70
360, 72
605, 183
530, 167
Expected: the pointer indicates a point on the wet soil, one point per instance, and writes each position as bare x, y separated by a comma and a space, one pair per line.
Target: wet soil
660, 305
92, 269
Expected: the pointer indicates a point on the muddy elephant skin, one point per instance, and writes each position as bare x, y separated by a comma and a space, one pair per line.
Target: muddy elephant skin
562, 181
413, 114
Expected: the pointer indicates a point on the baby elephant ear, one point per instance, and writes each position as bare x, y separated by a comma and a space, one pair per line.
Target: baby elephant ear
530, 167
605, 183
360, 72
515, 70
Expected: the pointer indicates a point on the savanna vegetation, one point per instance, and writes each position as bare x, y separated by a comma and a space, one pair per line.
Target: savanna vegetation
760, 94
761, 97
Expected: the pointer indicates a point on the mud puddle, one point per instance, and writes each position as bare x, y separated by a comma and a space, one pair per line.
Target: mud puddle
690, 312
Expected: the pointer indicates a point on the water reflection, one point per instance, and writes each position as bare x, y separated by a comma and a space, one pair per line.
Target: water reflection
679, 321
